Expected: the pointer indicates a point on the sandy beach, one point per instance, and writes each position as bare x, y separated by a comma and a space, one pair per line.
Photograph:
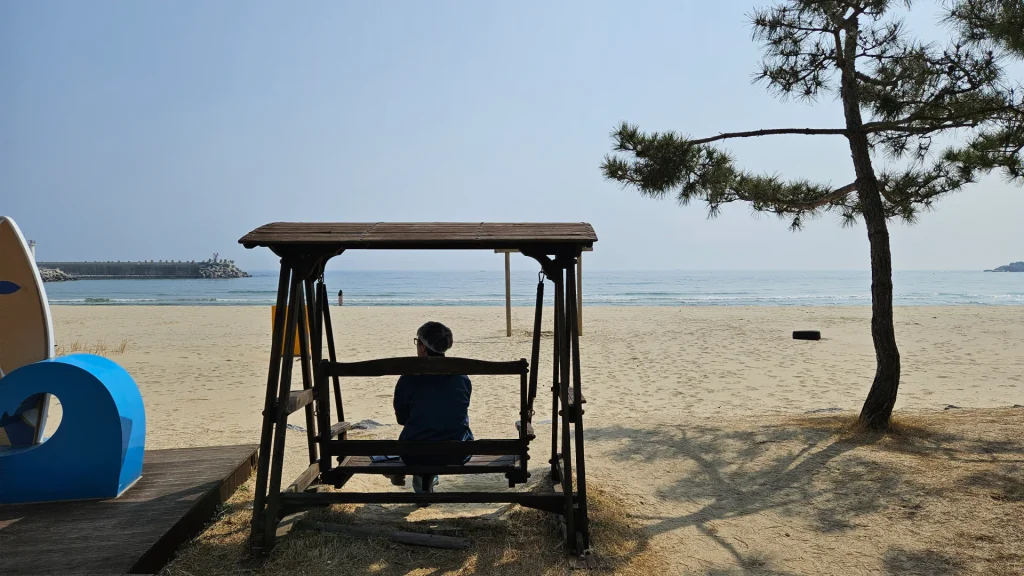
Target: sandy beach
665, 386
202, 370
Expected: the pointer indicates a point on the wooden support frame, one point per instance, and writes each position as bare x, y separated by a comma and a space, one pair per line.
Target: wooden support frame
508, 288
300, 287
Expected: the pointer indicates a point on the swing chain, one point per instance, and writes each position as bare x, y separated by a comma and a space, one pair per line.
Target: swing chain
541, 277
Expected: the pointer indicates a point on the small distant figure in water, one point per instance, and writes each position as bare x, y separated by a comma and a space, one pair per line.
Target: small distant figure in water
341, 297
432, 407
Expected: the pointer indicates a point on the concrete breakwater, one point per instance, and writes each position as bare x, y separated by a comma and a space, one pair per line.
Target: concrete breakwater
152, 269
55, 275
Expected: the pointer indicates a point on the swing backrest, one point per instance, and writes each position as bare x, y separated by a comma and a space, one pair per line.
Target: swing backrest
417, 366
411, 366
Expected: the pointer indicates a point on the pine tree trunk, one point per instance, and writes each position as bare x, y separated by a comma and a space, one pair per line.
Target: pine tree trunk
877, 409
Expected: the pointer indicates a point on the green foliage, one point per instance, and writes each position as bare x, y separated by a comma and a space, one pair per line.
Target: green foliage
994, 23
662, 163
910, 93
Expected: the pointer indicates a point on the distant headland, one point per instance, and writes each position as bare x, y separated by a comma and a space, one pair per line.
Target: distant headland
1011, 267
161, 269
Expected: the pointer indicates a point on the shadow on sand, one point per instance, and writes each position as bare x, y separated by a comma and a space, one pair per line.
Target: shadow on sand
809, 468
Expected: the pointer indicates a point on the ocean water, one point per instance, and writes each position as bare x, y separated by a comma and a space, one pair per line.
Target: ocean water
607, 288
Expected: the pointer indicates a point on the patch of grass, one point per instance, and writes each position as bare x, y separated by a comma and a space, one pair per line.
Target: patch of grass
517, 542
955, 475
903, 429
99, 348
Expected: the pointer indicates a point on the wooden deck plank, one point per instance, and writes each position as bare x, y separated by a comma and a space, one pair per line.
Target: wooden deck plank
137, 533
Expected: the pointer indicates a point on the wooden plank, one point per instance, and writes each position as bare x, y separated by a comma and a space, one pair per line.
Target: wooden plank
336, 448
306, 500
136, 533
398, 536
410, 366
515, 251
573, 404
476, 465
305, 479
422, 235
298, 399
338, 428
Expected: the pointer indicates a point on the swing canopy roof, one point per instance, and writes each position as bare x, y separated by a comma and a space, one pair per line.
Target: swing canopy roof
331, 236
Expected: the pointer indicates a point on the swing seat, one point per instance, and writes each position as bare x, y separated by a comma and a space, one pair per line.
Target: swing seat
503, 456
476, 465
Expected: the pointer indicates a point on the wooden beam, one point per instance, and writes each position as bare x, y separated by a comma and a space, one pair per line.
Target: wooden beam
549, 502
280, 426
413, 366
305, 479
423, 447
508, 295
579, 294
398, 537
338, 428
516, 251
350, 465
256, 546
298, 399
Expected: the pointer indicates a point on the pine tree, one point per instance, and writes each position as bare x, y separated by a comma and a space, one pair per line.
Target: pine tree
899, 95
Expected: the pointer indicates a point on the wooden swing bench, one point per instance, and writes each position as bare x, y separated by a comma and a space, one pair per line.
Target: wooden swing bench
334, 458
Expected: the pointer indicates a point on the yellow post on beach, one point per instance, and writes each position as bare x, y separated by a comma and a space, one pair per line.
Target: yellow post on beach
273, 315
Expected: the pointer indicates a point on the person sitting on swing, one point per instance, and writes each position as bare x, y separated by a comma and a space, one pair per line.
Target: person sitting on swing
432, 407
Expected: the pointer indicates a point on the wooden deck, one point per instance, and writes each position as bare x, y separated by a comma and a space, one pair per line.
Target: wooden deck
137, 533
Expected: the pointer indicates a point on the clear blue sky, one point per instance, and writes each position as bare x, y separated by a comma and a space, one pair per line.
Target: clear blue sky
166, 130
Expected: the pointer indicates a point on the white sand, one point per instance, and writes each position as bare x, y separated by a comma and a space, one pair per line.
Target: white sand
202, 372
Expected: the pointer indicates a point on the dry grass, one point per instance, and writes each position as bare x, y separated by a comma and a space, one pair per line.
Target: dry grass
99, 348
955, 478
939, 495
517, 542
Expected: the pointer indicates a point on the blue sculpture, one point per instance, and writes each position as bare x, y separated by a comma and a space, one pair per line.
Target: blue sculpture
98, 447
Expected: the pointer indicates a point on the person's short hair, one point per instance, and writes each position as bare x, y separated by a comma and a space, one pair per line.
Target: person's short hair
435, 337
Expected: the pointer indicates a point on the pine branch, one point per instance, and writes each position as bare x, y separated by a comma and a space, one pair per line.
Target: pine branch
771, 132
828, 199
869, 80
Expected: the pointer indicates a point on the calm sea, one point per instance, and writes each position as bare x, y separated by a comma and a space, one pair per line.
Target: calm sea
486, 288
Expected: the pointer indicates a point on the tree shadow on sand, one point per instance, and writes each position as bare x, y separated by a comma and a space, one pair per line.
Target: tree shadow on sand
795, 470
735, 473
899, 562
825, 476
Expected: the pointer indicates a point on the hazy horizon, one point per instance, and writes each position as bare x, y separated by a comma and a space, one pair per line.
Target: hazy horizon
147, 131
